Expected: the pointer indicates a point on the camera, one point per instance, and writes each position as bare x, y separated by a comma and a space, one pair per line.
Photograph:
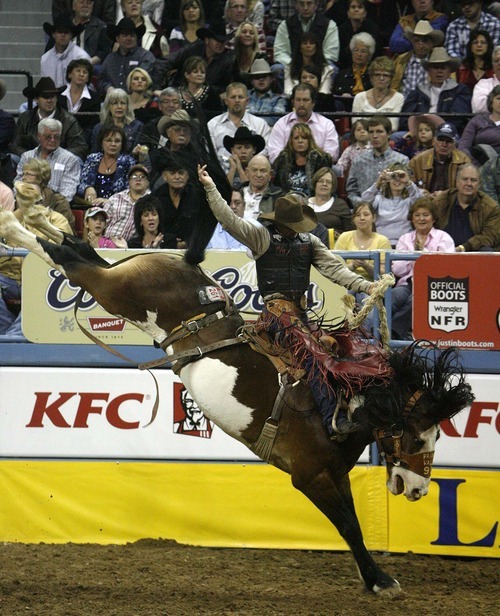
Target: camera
396, 175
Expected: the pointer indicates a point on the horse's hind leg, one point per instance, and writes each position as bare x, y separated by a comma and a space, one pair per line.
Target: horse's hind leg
335, 501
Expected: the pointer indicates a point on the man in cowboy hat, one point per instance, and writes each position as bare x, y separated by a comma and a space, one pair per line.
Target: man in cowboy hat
474, 18
169, 101
45, 95
424, 9
211, 46
129, 56
408, 69
54, 62
261, 98
284, 251
243, 147
439, 93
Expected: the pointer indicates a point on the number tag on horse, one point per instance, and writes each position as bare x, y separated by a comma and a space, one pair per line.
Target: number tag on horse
210, 295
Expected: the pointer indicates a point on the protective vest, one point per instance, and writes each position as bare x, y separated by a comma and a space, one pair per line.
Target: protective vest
318, 27
285, 267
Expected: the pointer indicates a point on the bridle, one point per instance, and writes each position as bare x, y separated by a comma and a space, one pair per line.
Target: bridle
418, 463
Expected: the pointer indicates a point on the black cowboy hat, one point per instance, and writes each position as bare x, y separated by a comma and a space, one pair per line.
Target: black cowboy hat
124, 25
64, 23
45, 85
167, 161
215, 31
244, 135
289, 212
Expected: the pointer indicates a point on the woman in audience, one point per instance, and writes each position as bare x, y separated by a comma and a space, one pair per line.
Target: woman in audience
140, 93
381, 98
308, 52
423, 237
355, 79
477, 63
195, 92
78, 96
105, 172
312, 75
246, 50
356, 22
192, 18
149, 221
331, 210
152, 37
391, 196
299, 161
117, 111
483, 130
37, 171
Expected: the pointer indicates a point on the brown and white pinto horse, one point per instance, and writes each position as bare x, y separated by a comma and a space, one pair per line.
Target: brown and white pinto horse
237, 387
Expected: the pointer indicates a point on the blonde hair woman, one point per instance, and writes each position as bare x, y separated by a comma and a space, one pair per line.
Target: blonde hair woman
140, 93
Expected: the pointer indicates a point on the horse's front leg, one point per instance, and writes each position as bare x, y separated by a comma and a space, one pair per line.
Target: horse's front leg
335, 501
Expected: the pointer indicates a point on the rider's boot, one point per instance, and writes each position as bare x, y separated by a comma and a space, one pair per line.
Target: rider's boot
341, 423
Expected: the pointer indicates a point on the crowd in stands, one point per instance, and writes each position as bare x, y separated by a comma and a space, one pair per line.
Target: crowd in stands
382, 115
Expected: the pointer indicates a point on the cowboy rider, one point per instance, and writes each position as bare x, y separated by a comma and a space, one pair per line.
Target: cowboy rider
284, 250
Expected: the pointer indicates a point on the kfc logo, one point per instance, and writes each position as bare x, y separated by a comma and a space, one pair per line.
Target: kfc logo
485, 413
188, 417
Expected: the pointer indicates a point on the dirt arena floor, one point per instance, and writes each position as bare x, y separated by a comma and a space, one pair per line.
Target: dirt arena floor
162, 578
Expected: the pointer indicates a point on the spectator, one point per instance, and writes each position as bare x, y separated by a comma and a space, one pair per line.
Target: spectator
490, 178
192, 18
213, 9
424, 9
468, 215
129, 55
460, 29
103, 9
37, 171
149, 221
323, 130
221, 239
10, 267
331, 210
120, 206
65, 166
55, 61
243, 147
484, 86
355, 79
381, 98
260, 194
105, 172
78, 97
436, 170
440, 94
357, 22
211, 46
408, 68
420, 135
298, 162
94, 228
117, 111
45, 95
246, 50
7, 123
423, 237
477, 62
359, 142
195, 92
169, 101
140, 93
482, 133
6, 197
149, 36
366, 167
236, 115
307, 18
391, 195
92, 34
236, 13
261, 98
308, 52
312, 75
280, 10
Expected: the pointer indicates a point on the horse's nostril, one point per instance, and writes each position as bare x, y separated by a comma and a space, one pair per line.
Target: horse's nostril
416, 493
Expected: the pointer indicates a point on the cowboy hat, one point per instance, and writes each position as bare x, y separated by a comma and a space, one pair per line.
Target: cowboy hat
429, 118
244, 135
180, 117
64, 23
3, 89
44, 86
215, 31
439, 55
289, 212
124, 25
260, 67
424, 28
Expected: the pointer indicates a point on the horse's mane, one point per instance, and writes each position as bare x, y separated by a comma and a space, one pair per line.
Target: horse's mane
420, 367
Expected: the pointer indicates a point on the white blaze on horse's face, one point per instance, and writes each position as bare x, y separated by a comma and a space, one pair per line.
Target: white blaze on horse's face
211, 382
402, 479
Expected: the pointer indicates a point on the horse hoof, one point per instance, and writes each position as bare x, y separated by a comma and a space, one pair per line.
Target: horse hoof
392, 590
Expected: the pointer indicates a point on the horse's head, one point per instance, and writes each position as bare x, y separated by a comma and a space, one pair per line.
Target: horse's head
427, 388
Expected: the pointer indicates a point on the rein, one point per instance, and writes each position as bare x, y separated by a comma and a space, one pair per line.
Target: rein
418, 463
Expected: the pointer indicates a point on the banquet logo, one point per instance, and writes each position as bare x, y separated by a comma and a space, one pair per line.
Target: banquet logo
448, 301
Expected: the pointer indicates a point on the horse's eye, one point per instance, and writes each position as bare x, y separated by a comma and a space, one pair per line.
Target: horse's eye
419, 442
